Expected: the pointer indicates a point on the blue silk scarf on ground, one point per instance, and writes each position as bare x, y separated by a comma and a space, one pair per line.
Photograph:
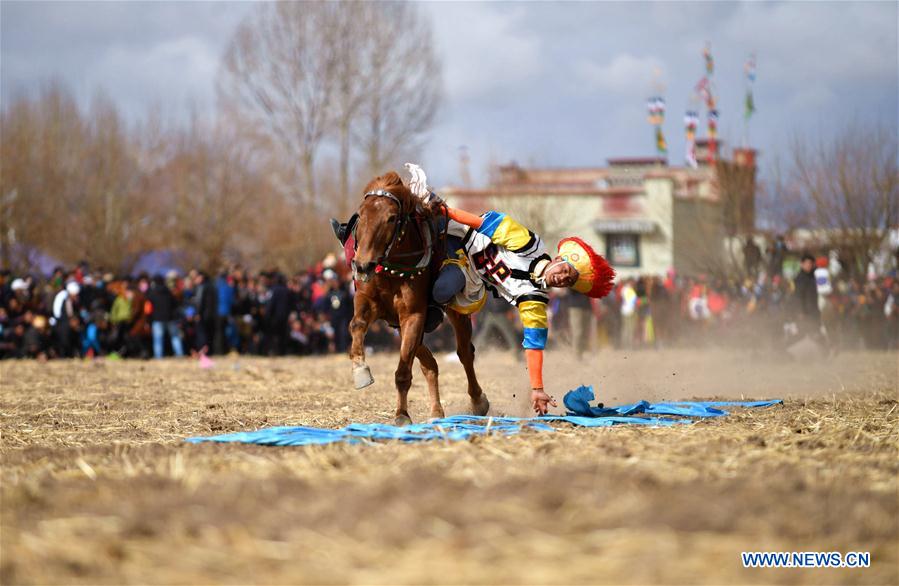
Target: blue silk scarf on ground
462, 427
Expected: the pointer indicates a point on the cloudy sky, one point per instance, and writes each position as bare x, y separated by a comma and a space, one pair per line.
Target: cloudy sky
549, 83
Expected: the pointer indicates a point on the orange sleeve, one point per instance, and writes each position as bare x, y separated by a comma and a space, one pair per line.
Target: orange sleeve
463, 217
535, 367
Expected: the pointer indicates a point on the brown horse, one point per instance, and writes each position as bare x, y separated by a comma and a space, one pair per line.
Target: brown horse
395, 244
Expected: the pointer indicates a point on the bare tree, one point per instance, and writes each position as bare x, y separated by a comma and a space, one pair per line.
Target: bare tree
280, 71
24, 214
209, 188
781, 205
404, 83
69, 183
353, 89
351, 74
852, 184
114, 222
81, 184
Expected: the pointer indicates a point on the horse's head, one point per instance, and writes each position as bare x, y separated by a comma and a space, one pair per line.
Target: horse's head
384, 209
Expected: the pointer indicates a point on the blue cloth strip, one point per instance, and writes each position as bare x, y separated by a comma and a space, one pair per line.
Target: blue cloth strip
463, 427
578, 403
534, 338
491, 222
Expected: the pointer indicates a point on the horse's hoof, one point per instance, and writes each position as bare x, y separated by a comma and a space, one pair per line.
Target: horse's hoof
481, 406
402, 420
362, 376
437, 413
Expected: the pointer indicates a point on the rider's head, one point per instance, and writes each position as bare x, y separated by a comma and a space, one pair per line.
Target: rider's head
577, 266
560, 273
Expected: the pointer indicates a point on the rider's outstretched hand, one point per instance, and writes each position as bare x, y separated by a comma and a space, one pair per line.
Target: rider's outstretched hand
541, 402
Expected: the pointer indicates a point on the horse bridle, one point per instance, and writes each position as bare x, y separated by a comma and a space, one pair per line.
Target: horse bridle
399, 231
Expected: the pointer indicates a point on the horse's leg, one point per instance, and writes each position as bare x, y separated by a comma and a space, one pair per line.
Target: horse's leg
411, 331
429, 370
462, 326
363, 315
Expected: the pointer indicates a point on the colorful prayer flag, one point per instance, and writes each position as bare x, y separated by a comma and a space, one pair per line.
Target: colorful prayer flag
749, 106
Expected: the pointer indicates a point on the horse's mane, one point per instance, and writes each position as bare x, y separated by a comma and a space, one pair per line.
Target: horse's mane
392, 182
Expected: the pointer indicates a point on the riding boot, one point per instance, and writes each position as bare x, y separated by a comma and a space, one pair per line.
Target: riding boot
341, 230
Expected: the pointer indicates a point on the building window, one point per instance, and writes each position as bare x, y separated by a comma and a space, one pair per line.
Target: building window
623, 250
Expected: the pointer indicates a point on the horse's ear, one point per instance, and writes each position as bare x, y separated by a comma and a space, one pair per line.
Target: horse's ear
391, 179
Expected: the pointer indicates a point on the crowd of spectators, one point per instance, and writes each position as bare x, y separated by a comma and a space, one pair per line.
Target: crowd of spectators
837, 313
89, 313
84, 312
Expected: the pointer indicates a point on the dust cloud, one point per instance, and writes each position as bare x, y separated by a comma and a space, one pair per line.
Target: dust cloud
619, 376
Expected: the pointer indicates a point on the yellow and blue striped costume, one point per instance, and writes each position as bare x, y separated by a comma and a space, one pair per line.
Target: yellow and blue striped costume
505, 254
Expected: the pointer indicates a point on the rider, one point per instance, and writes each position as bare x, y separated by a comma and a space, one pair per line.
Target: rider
496, 252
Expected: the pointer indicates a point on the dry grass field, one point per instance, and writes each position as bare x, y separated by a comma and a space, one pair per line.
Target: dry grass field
98, 486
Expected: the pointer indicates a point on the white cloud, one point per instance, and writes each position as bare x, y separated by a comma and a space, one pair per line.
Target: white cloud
819, 42
687, 19
813, 97
173, 71
625, 73
485, 49
163, 54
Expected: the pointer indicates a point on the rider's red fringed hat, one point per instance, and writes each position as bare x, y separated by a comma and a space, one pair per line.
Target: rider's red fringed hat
595, 276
